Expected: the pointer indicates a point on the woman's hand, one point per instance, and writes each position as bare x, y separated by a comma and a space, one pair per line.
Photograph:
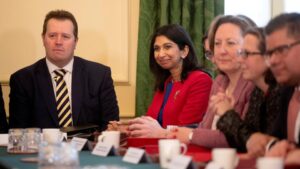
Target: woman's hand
146, 126
220, 103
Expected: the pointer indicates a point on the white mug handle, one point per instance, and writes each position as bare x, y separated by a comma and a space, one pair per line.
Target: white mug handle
63, 136
184, 148
237, 159
101, 138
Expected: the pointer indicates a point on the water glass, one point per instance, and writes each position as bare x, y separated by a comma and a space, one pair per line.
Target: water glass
32, 138
16, 140
58, 155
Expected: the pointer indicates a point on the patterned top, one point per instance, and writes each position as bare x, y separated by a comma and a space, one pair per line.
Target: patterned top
263, 110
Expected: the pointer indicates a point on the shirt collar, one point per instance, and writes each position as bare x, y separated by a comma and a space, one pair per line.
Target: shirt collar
52, 67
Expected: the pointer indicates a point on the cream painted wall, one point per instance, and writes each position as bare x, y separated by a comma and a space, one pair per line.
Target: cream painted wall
277, 7
107, 34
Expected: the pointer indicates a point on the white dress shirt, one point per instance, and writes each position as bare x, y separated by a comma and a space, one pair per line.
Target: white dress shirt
68, 76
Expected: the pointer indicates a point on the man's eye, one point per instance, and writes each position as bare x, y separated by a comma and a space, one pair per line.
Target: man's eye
281, 49
66, 37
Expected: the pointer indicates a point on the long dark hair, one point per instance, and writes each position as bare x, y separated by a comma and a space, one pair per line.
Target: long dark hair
178, 35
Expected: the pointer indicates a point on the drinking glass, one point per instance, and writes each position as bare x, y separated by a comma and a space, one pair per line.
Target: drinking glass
57, 155
32, 139
15, 140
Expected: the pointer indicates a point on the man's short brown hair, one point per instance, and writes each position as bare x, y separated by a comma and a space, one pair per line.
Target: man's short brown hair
61, 15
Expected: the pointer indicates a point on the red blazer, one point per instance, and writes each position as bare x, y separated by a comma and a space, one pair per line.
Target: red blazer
204, 135
187, 101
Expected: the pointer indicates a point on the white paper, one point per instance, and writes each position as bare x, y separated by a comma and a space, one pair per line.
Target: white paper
180, 162
133, 155
78, 142
102, 149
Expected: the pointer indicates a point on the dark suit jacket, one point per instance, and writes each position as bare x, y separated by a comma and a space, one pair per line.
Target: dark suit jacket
280, 124
3, 121
32, 99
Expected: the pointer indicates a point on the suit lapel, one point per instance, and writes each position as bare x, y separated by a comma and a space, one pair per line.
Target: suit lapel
46, 89
77, 89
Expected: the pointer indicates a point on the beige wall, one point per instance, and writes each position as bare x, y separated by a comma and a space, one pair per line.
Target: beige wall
107, 34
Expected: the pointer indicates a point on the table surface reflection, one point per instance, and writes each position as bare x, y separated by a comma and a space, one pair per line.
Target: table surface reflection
85, 157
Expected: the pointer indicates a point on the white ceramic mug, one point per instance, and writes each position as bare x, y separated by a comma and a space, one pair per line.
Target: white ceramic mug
52, 135
269, 163
110, 137
225, 157
169, 148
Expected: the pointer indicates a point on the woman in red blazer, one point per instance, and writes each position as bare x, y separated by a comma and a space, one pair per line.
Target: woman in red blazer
181, 87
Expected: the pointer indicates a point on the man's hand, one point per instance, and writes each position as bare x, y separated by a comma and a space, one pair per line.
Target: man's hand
281, 149
118, 126
293, 157
256, 144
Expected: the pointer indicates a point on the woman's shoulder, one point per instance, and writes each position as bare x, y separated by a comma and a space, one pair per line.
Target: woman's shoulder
198, 74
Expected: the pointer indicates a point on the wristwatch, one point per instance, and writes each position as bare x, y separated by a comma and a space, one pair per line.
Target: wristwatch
271, 143
190, 136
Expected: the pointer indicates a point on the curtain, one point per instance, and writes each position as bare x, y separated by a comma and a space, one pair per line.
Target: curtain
194, 15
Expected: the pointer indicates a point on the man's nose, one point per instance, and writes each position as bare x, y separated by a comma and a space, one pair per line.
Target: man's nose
273, 59
58, 40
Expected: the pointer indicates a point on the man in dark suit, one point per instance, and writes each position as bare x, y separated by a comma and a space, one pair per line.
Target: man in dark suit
37, 98
3, 121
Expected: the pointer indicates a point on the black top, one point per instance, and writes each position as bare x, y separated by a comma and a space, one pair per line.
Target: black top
262, 112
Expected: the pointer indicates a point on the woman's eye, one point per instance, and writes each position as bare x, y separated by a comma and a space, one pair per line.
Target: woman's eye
167, 46
231, 43
217, 43
156, 49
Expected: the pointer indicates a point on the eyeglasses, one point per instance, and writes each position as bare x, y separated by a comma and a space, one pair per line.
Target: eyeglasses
281, 50
245, 54
208, 54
